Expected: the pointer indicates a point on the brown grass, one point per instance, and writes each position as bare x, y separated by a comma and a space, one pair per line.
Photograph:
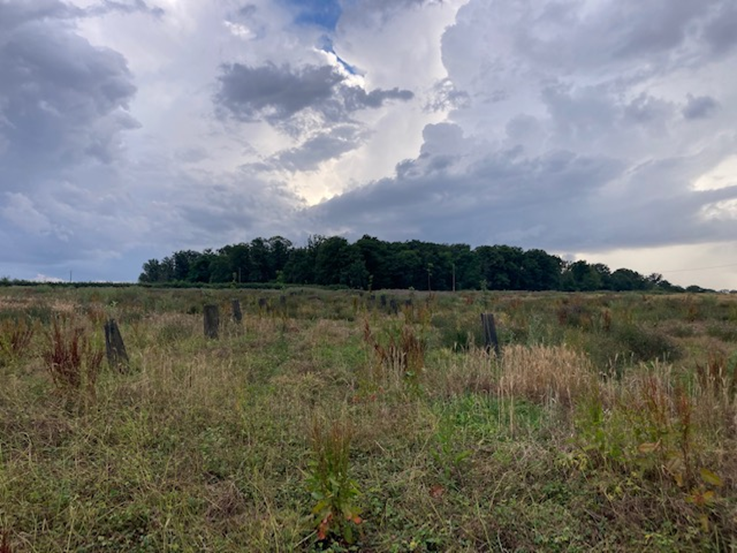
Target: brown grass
71, 360
15, 337
545, 374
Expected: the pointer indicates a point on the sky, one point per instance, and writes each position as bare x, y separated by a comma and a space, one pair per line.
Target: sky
594, 129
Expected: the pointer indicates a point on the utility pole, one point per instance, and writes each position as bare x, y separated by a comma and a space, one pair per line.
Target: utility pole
454, 277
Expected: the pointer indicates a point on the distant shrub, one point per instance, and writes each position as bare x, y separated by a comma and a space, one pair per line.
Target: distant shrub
574, 314
627, 345
722, 331
646, 344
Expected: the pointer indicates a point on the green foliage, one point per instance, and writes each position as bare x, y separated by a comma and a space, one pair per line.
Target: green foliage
372, 263
646, 344
456, 333
335, 514
449, 458
225, 446
599, 435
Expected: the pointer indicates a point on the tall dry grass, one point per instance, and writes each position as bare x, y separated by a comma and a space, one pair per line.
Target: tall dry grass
548, 375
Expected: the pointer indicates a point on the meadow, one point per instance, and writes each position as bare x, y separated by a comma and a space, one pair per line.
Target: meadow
357, 421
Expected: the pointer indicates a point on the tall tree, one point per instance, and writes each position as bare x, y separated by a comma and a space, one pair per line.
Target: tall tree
183, 260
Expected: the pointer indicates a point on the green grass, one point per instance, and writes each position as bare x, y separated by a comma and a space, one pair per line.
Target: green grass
592, 432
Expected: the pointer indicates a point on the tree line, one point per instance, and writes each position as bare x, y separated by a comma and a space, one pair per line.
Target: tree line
370, 263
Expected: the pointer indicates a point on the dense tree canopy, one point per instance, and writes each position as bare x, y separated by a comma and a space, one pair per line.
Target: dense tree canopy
370, 263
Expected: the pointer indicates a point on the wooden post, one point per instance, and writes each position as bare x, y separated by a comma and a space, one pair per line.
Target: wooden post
212, 321
117, 357
382, 300
237, 313
393, 306
490, 337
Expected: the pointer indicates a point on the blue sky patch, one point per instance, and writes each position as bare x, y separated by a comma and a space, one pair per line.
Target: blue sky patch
320, 13
326, 45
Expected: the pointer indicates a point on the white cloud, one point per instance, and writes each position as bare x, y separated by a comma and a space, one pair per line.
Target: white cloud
44, 278
21, 213
721, 176
576, 125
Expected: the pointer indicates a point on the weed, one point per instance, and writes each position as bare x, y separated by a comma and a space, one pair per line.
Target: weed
714, 376
598, 435
400, 354
545, 374
455, 334
574, 314
201, 449
725, 332
15, 338
692, 311
448, 458
71, 360
335, 514
646, 344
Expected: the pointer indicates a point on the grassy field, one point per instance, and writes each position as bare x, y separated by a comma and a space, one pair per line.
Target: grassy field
328, 421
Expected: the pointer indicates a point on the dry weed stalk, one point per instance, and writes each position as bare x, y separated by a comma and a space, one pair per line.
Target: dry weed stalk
71, 360
15, 337
401, 356
714, 377
545, 374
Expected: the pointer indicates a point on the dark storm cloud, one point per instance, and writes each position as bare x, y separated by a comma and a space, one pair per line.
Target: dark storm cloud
463, 189
655, 26
271, 92
16, 13
327, 145
214, 209
357, 98
276, 94
551, 202
61, 99
63, 106
721, 31
700, 107
502, 195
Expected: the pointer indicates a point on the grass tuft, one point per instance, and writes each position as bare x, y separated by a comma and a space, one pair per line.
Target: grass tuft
557, 374
71, 360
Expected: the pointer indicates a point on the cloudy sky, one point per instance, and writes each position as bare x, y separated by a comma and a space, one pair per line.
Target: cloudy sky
596, 129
